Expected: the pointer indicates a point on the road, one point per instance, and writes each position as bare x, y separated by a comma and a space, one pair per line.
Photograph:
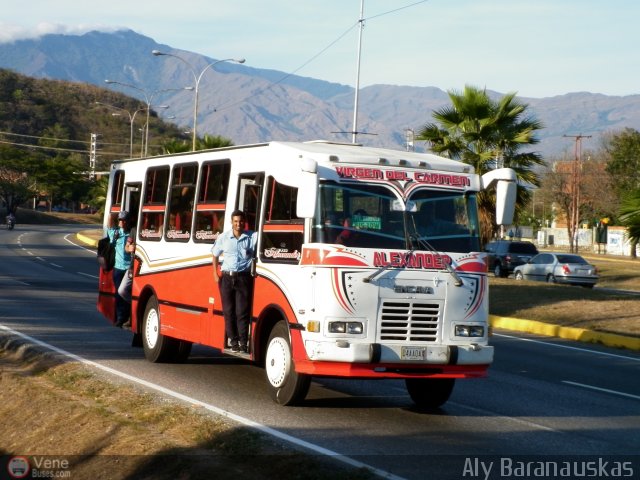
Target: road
543, 396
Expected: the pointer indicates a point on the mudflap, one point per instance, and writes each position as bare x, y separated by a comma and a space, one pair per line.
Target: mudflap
107, 296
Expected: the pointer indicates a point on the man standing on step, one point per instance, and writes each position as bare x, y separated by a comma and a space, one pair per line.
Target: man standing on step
237, 248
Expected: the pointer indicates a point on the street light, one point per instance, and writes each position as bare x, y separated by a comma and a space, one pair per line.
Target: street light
196, 78
148, 97
132, 117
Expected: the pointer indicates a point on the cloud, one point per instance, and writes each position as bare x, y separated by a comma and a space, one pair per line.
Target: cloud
11, 33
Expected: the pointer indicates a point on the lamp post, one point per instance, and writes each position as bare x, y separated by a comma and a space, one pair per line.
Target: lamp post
196, 78
148, 97
132, 117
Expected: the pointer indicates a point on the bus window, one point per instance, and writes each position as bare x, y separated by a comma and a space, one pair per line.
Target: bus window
283, 232
116, 197
154, 203
212, 198
183, 191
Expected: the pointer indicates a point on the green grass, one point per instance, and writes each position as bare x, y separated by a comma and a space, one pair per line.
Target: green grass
597, 309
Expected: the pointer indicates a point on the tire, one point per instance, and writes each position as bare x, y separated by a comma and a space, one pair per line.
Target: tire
497, 270
429, 393
182, 351
285, 385
551, 278
518, 275
157, 347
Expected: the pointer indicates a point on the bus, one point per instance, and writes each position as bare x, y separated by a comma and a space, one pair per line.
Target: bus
368, 261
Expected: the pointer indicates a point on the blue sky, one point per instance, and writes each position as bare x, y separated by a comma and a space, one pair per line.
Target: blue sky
536, 48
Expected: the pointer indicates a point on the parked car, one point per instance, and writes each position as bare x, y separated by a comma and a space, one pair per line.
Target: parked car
505, 255
565, 268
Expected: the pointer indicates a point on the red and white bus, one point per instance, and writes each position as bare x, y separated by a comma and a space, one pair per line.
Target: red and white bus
368, 261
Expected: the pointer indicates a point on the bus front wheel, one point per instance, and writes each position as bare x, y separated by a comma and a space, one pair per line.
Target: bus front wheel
430, 393
285, 385
157, 347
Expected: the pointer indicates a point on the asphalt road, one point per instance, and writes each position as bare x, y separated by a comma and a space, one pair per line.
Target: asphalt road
544, 398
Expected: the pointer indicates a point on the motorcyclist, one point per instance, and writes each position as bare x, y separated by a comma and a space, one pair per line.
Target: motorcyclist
11, 220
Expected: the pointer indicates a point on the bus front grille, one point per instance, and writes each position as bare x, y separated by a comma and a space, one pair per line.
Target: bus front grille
409, 321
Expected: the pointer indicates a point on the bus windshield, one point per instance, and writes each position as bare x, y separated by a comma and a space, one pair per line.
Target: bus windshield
372, 216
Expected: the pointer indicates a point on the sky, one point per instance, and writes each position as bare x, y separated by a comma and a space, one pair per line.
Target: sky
537, 49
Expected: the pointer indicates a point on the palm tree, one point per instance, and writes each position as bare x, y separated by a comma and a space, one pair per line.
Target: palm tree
209, 141
213, 141
630, 218
487, 134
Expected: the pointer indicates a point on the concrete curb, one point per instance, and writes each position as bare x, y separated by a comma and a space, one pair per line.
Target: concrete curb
569, 333
91, 237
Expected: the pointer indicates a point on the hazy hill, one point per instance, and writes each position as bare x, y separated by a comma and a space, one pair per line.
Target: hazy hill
253, 105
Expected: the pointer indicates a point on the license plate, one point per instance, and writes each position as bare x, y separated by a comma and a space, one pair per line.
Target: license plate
413, 353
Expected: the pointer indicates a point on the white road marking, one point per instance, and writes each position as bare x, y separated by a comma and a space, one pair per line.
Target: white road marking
94, 277
599, 389
91, 250
212, 408
569, 347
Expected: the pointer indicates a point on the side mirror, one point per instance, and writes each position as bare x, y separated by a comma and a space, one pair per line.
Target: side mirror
307, 190
505, 181
505, 202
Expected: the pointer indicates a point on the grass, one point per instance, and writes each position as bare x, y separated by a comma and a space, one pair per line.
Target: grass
598, 309
121, 431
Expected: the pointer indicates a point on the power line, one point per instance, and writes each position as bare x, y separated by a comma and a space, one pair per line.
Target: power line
58, 139
58, 149
340, 37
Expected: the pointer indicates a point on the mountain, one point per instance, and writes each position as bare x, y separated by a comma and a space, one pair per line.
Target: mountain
252, 105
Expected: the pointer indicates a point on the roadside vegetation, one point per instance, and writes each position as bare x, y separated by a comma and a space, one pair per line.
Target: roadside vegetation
111, 430
602, 308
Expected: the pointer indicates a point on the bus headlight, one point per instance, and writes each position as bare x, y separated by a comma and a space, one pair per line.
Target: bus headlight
469, 331
351, 328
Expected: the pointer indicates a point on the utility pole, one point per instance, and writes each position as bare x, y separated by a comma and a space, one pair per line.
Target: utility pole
92, 156
573, 221
354, 131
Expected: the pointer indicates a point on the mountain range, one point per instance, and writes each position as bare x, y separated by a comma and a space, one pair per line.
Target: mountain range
250, 105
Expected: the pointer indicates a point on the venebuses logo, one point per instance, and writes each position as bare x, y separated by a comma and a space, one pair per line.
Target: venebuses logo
18, 467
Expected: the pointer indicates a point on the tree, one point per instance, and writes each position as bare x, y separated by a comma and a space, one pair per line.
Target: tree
208, 142
17, 182
630, 217
487, 134
624, 162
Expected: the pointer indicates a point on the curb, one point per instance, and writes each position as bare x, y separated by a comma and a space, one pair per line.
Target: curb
569, 333
88, 237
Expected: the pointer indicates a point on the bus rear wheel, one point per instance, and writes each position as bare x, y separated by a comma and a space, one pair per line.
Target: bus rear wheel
430, 393
285, 385
157, 347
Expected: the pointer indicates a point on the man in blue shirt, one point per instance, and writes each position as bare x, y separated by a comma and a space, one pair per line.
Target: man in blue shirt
121, 237
237, 248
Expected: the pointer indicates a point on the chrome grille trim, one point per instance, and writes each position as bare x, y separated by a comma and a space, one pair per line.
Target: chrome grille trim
409, 321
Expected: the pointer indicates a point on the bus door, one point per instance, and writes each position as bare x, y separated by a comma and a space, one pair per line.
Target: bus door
249, 196
130, 202
249, 201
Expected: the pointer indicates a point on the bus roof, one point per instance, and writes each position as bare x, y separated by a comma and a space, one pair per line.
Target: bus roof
331, 153
324, 151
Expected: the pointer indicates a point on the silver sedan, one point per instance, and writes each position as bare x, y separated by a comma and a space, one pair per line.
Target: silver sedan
565, 268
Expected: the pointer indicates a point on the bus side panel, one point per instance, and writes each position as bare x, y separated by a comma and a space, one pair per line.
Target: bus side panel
107, 296
189, 304
267, 294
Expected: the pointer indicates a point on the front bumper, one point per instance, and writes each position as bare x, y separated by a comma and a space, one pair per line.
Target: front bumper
345, 351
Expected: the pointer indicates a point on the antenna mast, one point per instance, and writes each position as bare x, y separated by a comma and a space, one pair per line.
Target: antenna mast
354, 133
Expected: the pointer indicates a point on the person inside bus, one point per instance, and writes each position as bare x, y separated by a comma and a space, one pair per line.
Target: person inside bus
235, 281
121, 237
